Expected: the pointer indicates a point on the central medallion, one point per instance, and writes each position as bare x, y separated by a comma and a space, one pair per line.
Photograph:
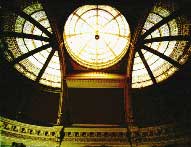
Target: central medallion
96, 36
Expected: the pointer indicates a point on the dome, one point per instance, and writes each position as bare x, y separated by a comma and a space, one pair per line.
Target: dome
50, 96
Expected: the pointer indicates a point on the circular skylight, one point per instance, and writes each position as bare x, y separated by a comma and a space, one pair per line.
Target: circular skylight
96, 36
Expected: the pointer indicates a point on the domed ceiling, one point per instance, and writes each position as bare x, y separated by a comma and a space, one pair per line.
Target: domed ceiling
39, 39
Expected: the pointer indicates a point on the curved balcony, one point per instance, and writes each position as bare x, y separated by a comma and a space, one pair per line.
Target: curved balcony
92, 135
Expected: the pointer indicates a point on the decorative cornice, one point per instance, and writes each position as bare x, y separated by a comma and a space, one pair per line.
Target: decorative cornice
13, 131
95, 80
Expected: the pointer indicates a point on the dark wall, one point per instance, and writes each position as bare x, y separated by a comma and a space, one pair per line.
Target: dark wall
96, 105
168, 102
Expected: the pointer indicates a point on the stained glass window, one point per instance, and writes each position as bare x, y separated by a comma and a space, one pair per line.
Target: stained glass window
34, 56
96, 36
156, 60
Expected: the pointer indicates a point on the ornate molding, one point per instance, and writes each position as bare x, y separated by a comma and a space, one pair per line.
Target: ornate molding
13, 131
95, 80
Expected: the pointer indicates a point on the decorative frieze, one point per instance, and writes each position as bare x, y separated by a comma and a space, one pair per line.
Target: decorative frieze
113, 135
95, 80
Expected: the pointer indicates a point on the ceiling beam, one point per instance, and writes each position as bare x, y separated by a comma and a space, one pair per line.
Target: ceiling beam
45, 65
30, 53
29, 18
168, 38
24, 35
162, 22
147, 67
170, 60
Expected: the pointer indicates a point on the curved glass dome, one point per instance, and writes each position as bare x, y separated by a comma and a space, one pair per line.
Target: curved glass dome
30, 46
96, 36
161, 51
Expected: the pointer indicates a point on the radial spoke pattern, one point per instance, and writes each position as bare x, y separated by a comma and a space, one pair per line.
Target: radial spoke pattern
162, 22
167, 58
96, 36
163, 48
30, 53
30, 44
147, 66
45, 64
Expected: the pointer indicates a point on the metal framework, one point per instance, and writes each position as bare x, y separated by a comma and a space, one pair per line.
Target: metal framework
143, 40
137, 45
